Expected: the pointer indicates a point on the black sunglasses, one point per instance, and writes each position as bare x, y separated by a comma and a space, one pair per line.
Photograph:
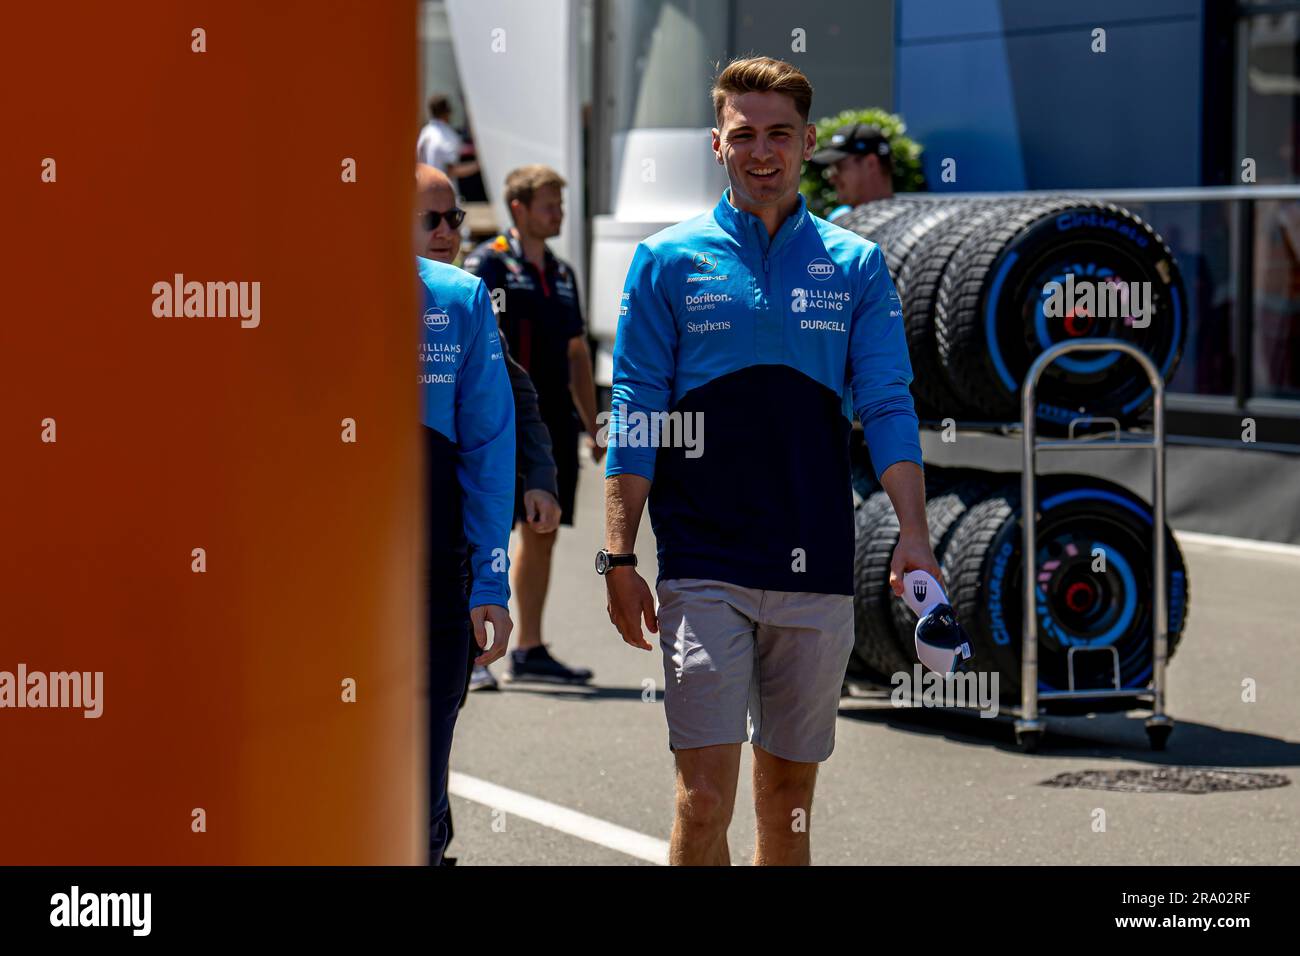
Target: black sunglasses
431, 217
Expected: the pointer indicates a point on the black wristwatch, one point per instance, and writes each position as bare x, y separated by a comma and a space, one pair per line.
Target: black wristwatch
605, 560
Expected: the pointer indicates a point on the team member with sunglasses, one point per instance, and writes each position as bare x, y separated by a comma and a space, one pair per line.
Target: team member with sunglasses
439, 221
469, 437
437, 237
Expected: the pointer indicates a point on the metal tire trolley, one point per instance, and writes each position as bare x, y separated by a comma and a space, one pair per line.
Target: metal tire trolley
1029, 726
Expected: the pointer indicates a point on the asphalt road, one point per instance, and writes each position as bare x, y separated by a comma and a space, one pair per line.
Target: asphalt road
553, 776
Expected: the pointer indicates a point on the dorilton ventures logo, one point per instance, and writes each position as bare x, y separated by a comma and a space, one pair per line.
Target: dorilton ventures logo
437, 319
705, 301
705, 262
821, 269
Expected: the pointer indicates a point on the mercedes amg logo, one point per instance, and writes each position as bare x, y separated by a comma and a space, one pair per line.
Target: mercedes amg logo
918, 590
705, 262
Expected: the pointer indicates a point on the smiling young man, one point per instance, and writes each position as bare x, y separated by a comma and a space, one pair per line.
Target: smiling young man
774, 326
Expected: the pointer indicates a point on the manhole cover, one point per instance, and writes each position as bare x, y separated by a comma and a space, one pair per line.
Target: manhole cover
1168, 780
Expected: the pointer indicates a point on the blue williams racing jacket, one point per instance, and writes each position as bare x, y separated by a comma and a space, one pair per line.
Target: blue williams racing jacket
765, 348
468, 410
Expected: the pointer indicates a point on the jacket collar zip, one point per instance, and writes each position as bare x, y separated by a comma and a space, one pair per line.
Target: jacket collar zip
747, 228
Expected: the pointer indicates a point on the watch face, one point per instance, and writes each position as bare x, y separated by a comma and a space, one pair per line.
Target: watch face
602, 562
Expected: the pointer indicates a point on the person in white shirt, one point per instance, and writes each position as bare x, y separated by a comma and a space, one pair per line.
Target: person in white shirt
439, 144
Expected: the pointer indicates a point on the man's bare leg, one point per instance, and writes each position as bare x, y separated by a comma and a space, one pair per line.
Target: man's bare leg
530, 581
706, 796
783, 794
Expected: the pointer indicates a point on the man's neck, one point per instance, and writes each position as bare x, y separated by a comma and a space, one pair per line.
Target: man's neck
771, 216
534, 249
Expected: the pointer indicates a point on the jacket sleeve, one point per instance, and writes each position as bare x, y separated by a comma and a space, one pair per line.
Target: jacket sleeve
645, 349
535, 460
880, 369
485, 429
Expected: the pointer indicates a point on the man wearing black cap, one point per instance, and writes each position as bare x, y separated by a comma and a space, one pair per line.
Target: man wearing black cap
859, 165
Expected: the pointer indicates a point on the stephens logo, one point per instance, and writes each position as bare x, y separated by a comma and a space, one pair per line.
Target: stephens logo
705, 262
437, 319
821, 269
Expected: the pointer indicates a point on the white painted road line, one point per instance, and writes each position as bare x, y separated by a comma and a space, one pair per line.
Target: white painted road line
1224, 543
600, 832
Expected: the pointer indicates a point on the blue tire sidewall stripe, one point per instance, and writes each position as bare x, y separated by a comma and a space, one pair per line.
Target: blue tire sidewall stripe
995, 350
1176, 595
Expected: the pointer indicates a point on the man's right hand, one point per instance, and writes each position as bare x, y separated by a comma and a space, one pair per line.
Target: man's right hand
629, 599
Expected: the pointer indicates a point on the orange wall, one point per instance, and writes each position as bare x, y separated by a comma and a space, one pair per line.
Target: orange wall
221, 689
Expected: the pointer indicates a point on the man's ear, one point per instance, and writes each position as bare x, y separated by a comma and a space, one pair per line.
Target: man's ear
809, 141
717, 144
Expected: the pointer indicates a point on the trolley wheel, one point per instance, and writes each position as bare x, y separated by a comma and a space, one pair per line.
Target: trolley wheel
1158, 734
1028, 740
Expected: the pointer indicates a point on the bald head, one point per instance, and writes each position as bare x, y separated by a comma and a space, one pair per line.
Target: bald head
434, 192
431, 179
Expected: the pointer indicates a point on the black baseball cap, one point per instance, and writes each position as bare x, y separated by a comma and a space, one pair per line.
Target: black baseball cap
856, 140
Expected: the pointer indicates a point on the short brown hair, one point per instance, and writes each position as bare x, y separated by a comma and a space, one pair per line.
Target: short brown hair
762, 74
523, 183
439, 106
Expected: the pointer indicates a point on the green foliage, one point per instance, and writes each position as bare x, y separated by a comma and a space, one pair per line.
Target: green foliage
906, 155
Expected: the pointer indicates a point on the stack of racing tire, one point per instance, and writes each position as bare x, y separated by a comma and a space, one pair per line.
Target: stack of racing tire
974, 278
1094, 592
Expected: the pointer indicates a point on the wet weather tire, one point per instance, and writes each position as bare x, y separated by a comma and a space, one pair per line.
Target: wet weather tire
994, 313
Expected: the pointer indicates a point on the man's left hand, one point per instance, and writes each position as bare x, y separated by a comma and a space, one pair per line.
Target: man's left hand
913, 553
